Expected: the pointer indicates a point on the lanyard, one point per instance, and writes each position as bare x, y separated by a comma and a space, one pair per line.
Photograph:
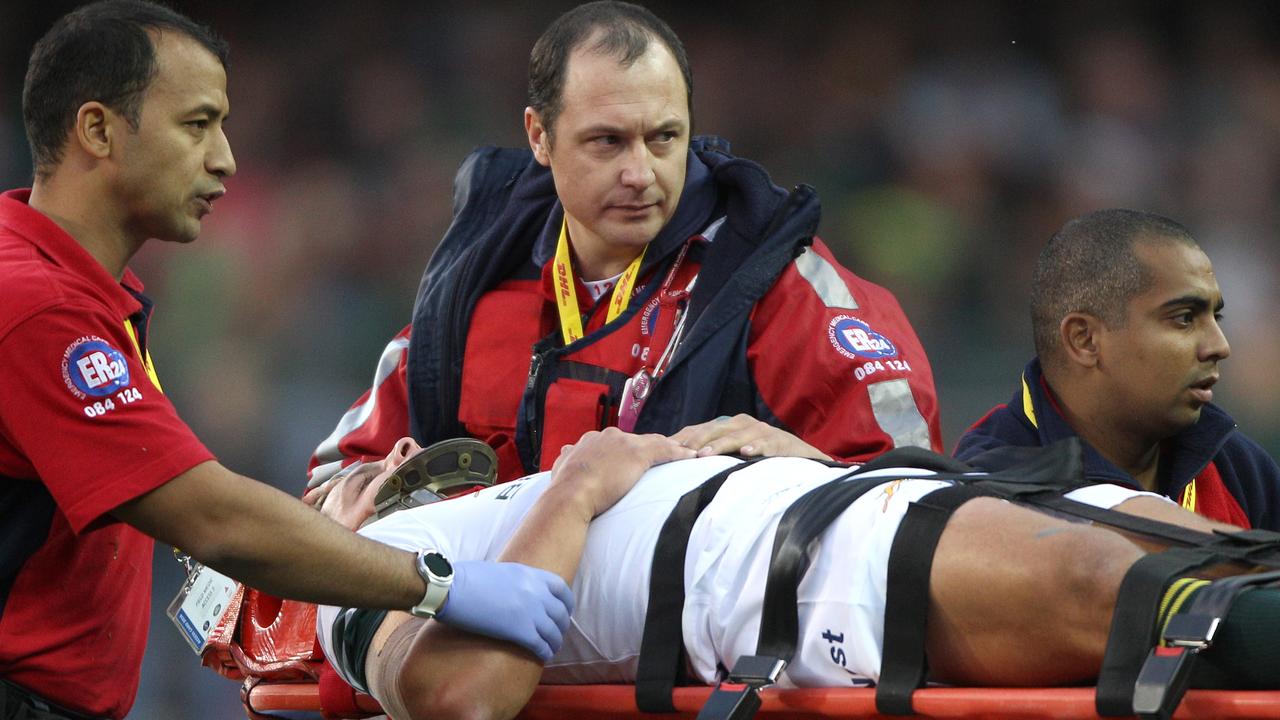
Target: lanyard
567, 292
635, 391
143, 357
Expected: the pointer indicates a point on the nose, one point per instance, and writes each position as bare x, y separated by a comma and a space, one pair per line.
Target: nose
1215, 346
220, 161
637, 168
404, 448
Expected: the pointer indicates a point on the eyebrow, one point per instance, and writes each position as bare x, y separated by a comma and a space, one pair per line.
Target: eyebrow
1195, 302
605, 129
209, 109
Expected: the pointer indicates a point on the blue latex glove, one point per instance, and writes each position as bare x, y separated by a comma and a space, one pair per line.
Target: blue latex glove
524, 605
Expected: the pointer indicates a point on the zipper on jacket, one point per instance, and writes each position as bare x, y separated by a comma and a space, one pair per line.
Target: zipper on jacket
533, 410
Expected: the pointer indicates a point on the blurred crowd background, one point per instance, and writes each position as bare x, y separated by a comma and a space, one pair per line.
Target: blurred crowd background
947, 140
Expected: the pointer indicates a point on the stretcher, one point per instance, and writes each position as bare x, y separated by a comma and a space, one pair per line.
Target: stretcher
270, 647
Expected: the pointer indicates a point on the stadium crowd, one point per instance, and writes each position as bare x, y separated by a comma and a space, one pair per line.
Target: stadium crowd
947, 142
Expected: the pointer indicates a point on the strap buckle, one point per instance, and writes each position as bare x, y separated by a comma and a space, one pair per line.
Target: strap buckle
1166, 672
737, 697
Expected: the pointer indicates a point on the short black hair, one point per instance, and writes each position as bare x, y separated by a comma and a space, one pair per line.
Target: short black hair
1089, 266
626, 31
102, 51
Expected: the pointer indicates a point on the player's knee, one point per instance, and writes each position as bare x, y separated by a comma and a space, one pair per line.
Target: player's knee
442, 701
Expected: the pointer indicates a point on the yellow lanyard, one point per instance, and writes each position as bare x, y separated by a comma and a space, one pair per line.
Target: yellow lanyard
567, 293
143, 357
1189, 496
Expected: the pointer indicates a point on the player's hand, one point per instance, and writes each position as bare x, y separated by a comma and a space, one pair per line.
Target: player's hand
605, 464
746, 436
509, 601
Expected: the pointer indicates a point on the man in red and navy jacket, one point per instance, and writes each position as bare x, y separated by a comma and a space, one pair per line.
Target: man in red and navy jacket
620, 272
1125, 311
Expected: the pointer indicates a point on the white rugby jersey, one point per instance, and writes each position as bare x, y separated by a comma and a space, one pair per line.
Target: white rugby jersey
841, 597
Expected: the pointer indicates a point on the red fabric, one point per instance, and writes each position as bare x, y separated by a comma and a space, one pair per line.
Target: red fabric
817, 391
79, 606
813, 389
337, 698
387, 419
1215, 502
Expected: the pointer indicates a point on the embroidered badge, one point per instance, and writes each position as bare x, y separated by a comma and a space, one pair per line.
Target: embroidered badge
649, 318
857, 341
92, 367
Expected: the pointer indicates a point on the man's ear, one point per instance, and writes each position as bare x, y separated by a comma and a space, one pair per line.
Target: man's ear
1079, 334
539, 138
94, 129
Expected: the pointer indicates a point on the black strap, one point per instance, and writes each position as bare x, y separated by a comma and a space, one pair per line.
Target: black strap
1133, 625
661, 660
1247, 546
904, 666
1168, 668
799, 526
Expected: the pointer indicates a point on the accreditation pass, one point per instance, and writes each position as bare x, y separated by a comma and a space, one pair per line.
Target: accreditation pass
202, 602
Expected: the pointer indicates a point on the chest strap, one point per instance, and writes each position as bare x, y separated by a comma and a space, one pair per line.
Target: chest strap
662, 661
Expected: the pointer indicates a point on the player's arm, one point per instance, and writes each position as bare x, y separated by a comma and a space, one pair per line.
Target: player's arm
418, 668
264, 538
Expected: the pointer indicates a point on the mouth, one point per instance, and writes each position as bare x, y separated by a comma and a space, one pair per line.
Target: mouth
1202, 390
205, 200
634, 208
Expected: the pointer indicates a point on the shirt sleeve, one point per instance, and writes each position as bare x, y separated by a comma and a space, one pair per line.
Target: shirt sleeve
80, 406
835, 360
370, 427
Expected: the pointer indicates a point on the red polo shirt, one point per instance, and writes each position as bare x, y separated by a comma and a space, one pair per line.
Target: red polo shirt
84, 427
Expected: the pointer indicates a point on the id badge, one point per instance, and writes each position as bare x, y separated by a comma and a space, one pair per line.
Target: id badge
634, 393
205, 598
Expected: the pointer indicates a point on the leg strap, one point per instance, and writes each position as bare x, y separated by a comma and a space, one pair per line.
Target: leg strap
1167, 670
1133, 625
904, 666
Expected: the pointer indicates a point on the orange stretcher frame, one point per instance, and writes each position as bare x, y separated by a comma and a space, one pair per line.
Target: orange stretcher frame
270, 645
615, 702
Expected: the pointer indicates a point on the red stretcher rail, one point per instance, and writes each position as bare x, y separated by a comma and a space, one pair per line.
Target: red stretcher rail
616, 702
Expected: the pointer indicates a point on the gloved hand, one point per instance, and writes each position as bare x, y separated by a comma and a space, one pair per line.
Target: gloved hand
524, 605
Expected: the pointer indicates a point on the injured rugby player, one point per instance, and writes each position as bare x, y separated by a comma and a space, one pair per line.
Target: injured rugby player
1015, 597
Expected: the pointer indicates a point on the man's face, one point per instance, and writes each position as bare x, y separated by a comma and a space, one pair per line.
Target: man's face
617, 152
1161, 365
170, 170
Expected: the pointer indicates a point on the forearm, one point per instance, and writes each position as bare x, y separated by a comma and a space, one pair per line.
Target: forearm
443, 672
271, 541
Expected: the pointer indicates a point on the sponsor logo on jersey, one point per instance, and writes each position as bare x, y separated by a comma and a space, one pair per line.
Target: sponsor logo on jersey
92, 367
857, 341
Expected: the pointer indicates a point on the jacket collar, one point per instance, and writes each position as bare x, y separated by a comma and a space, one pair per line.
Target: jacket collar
21, 220
1186, 454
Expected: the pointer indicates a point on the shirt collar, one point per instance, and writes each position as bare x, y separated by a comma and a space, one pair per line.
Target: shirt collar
1186, 454
24, 221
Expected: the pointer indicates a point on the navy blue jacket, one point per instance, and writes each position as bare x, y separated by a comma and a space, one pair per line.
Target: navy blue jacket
502, 199
1228, 468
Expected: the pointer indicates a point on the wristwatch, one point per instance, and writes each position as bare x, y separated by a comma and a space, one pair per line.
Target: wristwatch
437, 573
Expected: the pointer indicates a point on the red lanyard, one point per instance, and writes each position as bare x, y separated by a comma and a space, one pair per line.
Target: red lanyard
635, 392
